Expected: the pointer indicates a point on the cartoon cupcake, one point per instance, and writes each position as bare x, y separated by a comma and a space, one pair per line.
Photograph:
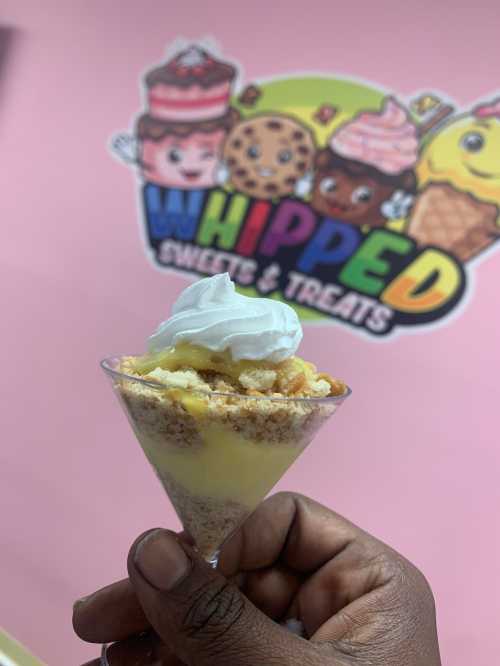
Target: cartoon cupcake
178, 141
366, 174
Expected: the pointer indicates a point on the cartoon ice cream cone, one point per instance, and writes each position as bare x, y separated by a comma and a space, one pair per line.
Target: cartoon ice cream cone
453, 220
458, 206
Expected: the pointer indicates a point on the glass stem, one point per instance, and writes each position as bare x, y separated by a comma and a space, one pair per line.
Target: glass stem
214, 560
104, 659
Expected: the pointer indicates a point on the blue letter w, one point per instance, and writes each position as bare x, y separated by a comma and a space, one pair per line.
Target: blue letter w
172, 213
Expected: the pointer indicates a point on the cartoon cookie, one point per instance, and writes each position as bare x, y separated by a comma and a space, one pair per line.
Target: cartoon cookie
365, 176
267, 155
178, 141
458, 208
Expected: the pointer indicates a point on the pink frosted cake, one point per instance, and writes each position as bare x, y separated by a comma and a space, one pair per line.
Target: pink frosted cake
191, 87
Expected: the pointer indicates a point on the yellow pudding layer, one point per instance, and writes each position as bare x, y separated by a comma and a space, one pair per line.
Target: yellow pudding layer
234, 448
227, 466
192, 356
291, 377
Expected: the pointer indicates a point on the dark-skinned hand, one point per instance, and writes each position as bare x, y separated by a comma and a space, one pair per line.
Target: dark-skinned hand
360, 602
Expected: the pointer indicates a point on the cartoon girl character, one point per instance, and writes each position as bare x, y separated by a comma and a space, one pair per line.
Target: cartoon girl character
366, 174
178, 142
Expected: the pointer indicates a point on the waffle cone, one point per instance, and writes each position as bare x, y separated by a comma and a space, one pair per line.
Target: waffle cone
454, 221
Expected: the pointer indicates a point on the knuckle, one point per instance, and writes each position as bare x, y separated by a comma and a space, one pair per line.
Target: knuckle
212, 611
388, 565
284, 496
424, 590
289, 499
406, 581
286, 501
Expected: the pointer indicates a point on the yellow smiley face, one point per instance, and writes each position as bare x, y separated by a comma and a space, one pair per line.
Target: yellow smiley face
465, 154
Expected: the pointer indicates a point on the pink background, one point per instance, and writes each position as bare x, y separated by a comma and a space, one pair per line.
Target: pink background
413, 458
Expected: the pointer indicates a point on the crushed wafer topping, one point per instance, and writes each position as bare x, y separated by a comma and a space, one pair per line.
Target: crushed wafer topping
258, 380
209, 371
183, 379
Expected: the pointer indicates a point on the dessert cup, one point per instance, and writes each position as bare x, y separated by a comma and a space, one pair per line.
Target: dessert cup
216, 454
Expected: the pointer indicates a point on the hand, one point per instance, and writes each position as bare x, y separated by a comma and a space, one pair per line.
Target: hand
304, 185
125, 147
222, 173
398, 206
359, 601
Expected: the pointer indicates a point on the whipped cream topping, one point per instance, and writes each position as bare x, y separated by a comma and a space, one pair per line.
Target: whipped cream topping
211, 314
386, 140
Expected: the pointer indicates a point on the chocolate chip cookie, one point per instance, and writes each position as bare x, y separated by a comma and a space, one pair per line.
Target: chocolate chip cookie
267, 154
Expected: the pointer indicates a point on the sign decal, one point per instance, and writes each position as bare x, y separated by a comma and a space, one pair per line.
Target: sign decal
336, 197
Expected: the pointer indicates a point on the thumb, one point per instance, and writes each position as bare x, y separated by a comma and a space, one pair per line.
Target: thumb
203, 617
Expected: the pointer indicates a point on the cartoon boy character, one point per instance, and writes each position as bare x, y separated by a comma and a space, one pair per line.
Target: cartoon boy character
267, 156
366, 174
178, 142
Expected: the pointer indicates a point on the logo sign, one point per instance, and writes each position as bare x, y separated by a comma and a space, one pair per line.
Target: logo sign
347, 202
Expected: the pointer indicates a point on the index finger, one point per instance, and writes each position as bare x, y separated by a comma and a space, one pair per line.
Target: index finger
291, 529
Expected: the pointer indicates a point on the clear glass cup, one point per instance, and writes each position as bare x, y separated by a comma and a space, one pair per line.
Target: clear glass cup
217, 455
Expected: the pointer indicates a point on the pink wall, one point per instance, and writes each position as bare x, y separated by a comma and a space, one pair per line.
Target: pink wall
413, 458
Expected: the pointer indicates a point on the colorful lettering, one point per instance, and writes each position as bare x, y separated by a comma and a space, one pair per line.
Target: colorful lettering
384, 276
293, 224
219, 228
254, 225
333, 243
172, 212
361, 271
405, 292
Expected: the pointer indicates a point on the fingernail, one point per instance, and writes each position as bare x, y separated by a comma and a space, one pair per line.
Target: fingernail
161, 560
82, 600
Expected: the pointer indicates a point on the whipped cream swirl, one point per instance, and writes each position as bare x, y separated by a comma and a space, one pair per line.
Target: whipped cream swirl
211, 314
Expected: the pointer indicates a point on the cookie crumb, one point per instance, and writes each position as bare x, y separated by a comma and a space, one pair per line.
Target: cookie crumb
249, 96
183, 379
258, 379
425, 103
325, 114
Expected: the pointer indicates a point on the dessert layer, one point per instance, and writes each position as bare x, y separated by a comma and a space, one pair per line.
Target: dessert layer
217, 455
196, 368
208, 520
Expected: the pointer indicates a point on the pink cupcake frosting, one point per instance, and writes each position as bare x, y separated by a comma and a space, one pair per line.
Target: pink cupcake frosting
386, 140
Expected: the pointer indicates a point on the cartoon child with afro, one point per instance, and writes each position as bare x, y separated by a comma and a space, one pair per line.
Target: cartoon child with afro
365, 176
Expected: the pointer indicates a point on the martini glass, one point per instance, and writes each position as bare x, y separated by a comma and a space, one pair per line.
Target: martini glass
217, 455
